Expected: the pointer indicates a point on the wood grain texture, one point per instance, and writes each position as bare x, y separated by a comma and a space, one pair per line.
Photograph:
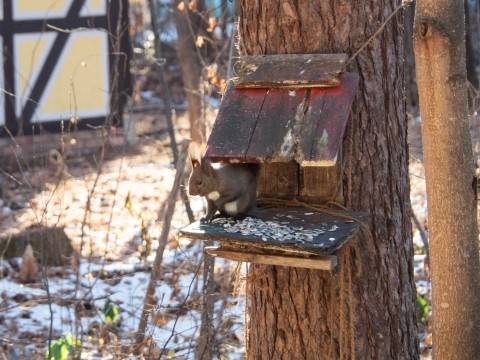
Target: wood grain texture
278, 180
290, 70
368, 312
331, 124
323, 184
439, 44
280, 125
273, 139
326, 262
235, 124
337, 231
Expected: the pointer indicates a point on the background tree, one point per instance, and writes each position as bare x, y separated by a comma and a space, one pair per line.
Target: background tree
472, 40
473, 55
190, 25
439, 43
367, 309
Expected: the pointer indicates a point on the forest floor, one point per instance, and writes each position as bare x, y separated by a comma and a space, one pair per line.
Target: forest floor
113, 266
109, 264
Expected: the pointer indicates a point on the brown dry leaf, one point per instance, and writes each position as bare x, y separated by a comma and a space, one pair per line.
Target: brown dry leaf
212, 22
75, 261
176, 291
199, 41
160, 319
175, 277
428, 340
192, 5
215, 80
173, 242
29, 269
89, 276
211, 71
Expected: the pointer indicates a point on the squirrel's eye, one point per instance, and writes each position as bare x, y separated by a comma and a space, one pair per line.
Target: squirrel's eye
199, 182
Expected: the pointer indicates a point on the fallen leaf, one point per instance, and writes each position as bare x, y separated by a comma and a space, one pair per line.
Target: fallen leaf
199, 41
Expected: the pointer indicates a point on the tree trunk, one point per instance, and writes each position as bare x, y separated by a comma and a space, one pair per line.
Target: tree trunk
165, 91
439, 44
367, 309
472, 40
189, 25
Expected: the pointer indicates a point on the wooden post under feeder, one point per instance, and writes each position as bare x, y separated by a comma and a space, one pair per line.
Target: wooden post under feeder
287, 113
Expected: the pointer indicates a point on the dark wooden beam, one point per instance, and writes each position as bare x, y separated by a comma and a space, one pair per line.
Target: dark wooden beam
290, 70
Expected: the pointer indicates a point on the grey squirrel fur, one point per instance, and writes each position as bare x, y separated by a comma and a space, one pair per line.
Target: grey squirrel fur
228, 188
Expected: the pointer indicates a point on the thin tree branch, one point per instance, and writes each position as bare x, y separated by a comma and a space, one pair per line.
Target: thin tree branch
148, 303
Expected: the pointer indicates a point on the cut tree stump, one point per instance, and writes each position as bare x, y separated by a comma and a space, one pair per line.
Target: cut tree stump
51, 246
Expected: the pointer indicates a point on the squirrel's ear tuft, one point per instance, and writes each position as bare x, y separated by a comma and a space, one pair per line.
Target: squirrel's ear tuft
197, 152
207, 166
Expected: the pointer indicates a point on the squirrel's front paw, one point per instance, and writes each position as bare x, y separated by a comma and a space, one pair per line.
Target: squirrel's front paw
206, 219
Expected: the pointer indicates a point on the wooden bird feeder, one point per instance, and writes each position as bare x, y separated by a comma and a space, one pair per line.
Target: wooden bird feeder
288, 111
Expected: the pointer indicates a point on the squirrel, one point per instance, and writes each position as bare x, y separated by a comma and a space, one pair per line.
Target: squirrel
229, 188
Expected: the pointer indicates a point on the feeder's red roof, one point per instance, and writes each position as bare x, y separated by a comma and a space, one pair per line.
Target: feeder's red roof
302, 120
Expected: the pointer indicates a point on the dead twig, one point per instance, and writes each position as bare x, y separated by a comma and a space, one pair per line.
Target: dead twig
206, 345
380, 29
165, 92
424, 237
148, 303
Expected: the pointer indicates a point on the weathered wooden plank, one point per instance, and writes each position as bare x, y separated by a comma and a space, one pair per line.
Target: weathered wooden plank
307, 132
278, 179
327, 233
274, 135
321, 183
290, 70
337, 103
280, 125
325, 262
235, 123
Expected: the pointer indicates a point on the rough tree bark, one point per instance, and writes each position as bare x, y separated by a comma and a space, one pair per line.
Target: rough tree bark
367, 309
439, 44
411, 91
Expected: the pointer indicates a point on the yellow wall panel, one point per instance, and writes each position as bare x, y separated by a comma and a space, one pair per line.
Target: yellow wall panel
96, 4
31, 51
79, 85
30, 9
94, 8
50, 74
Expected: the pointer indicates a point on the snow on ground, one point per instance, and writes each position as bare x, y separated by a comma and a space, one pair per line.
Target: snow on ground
112, 264
70, 299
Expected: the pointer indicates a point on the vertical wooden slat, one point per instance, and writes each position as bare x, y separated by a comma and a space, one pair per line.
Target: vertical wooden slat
322, 183
280, 125
235, 123
332, 121
273, 138
307, 132
278, 180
